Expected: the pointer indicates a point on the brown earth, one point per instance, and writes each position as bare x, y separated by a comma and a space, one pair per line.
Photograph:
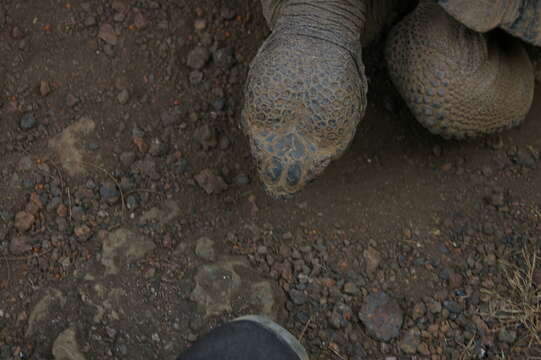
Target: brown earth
132, 220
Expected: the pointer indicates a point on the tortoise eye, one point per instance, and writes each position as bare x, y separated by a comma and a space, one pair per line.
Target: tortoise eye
294, 174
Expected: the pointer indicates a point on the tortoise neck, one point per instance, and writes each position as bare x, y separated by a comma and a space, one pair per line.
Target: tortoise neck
337, 21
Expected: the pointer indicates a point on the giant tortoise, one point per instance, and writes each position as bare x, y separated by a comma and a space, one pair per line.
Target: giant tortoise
453, 62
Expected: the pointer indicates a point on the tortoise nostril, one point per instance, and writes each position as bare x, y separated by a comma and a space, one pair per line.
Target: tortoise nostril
294, 174
274, 170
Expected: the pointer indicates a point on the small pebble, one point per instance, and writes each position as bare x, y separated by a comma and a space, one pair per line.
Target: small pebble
44, 88
205, 249
123, 97
109, 192
453, 306
27, 121
242, 179
71, 100
107, 34
200, 24
198, 58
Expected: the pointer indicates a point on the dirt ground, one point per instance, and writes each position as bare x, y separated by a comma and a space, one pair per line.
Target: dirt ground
132, 220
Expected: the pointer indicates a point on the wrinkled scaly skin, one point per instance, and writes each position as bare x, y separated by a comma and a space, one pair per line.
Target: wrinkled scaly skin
521, 18
376, 14
306, 88
458, 83
527, 25
482, 15
380, 14
305, 92
300, 112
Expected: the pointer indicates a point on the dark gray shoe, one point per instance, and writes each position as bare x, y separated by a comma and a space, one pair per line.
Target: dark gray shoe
247, 338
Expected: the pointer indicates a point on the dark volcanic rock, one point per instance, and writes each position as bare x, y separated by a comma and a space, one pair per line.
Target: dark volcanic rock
382, 316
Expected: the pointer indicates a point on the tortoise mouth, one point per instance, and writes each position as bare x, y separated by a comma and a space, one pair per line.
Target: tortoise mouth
286, 162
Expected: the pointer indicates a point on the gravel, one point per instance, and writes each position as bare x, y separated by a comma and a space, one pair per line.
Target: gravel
27, 121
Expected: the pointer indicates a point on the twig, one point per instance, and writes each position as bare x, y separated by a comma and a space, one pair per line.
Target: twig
61, 178
69, 203
335, 352
466, 352
305, 327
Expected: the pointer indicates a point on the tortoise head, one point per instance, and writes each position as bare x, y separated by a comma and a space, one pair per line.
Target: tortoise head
303, 99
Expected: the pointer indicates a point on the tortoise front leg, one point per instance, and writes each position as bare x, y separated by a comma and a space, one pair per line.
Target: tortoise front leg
457, 82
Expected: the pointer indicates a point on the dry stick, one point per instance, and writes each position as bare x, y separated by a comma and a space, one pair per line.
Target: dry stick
69, 203
335, 352
114, 180
55, 166
520, 308
467, 348
305, 327
62, 184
